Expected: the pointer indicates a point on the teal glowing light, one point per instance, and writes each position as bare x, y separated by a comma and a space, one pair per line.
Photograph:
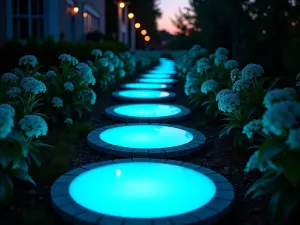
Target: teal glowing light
162, 71
157, 80
146, 136
142, 190
145, 86
147, 110
143, 94
164, 76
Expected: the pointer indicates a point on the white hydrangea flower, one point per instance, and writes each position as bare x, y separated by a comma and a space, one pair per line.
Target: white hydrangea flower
69, 86
209, 85
33, 126
252, 127
291, 91
51, 73
235, 75
7, 113
228, 103
280, 117
222, 51
203, 67
122, 73
278, 95
222, 93
68, 121
111, 67
220, 59
97, 53
204, 60
212, 56
9, 78
57, 102
293, 140
32, 85
231, 64
254, 164
67, 58
28, 60
241, 85
13, 92
109, 54
252, 71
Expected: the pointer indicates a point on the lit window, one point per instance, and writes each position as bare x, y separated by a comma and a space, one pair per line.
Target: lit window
91, 19
28, 19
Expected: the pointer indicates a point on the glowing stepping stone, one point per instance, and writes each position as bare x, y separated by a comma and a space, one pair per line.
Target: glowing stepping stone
147, 112
141, 191
144, 96
145, 86
146, 140
157, 80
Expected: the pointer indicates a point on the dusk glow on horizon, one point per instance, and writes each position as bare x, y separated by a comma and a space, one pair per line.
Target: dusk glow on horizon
169, 8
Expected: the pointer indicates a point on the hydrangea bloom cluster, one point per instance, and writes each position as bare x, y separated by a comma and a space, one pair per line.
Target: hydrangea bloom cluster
7, 113
28, 60
220, 59
9, 78
231, 64
279, 95
252, 71
235, 75
204, 60
97, 53
67, 58
111, 67
192, 82
222, 93
122, 73
69, 86
280, 117
51, 73
115, 61
228, 103
109, 54
252, 127
293, 140
32, 85
212, 56
103, 62
241, 85
33, 126
86, 73
222, 51
254, 164
13, 92
209, 85
68, 121
93, 98
203, 67
57, 102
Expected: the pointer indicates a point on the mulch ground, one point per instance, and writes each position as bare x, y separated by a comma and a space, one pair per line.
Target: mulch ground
217, 154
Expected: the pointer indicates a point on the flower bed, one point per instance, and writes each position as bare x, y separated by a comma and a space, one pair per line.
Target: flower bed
35, 102
259, 116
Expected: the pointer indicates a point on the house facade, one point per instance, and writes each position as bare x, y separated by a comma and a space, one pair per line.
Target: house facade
67, 19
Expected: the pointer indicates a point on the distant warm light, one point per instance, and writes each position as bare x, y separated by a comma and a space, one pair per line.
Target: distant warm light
76, 10
143, 32
137, 25
85, 15
147, 38
130, 15
122, 5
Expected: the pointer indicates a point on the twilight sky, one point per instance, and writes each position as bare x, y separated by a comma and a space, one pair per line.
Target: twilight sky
169, 8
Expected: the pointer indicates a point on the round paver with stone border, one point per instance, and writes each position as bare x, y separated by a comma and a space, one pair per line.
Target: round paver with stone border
137, 96
76, 213
145, 140
147, 86
149, 114
158, 80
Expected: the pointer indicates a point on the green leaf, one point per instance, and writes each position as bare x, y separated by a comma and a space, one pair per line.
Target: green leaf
270, 148
22, 175
225, 130
6, 187
273, 83
291, 167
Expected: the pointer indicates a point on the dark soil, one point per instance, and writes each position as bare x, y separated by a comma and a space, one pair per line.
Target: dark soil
217, 154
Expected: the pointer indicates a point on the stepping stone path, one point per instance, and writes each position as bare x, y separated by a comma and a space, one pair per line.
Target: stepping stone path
128, 186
